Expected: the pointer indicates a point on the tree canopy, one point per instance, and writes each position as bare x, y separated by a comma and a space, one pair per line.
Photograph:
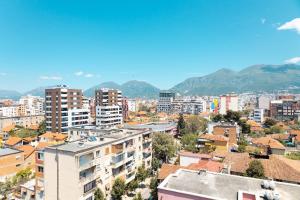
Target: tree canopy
189, 142
118, 189
163, 146
255, 169
98, 195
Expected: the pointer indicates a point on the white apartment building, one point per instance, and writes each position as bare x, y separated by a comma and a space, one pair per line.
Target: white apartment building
165, 101
257, 115
74, 170
10, 111
78, 117
108, 116
193, 105
64, 108
108, 104
34, 105
228, 102
132, 105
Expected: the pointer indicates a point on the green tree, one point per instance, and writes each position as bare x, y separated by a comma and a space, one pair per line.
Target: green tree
141, 174
241, 148
153, 187
118, 189
181, 124
163, 146
195, 124
42, 127
138, 197
155, 164
132, 185
232, 116
255, 169
217, 118
245, 127
98, 195
276, 129
189, 142
270, 122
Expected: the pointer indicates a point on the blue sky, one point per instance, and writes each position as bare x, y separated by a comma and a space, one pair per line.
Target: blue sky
84, 43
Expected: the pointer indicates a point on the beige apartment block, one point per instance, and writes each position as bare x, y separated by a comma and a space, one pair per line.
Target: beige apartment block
74, 170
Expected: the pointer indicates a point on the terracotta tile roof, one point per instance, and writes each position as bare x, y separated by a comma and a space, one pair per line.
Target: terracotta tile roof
167, 169
28, 150
238, 162
13, 141
209, 165
214, 137
277, 167
54, 136
280, 136
281, 168
34, 126
194, 155
30, 139
268, 141
8, 128
42, 145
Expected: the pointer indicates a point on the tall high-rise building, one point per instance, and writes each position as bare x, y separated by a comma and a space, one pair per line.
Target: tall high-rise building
108, 103
229, 102
64, 109
165, 101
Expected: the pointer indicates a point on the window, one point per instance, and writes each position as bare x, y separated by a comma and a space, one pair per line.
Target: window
40, 169
40, 156
98, 153
89, 186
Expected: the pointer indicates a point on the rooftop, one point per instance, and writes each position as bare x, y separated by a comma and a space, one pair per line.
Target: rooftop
103, 138
13, 141
155, 126
8, 151
222, 186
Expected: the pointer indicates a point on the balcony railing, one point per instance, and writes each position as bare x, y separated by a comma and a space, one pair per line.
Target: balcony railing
146, 155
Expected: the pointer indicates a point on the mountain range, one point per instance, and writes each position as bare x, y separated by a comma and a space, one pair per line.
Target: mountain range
257, 78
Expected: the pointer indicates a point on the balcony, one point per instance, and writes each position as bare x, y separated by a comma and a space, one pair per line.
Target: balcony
117, 161
146, 155
146, 144
86, 161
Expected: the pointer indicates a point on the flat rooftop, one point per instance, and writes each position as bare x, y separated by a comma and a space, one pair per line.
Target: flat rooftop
106, 137
8, 151
155, 126
223, 186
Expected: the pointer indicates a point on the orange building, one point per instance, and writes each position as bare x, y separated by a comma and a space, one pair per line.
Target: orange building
11, 161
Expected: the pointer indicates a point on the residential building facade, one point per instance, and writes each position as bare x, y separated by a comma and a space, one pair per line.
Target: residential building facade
285, 109
108, 103
165, 101
62, 104
228, 102
74, 170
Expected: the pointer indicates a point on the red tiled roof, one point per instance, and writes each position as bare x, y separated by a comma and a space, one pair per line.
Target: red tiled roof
54, 136
28, 150
268, 141
214, 137
13, 141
